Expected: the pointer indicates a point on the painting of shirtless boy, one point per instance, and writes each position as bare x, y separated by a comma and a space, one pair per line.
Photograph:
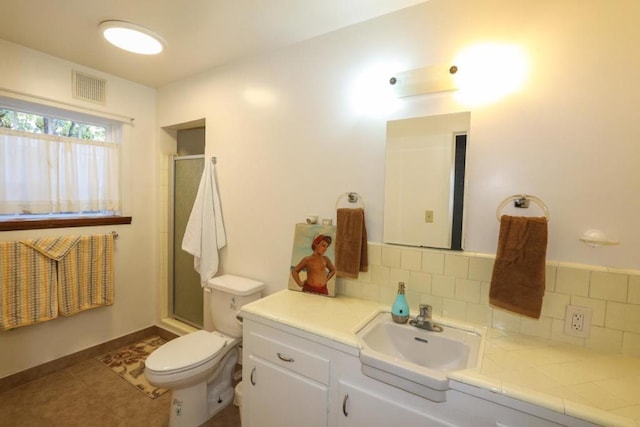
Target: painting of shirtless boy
313, 273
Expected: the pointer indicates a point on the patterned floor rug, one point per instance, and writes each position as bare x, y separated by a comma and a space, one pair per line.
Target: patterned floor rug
128, 363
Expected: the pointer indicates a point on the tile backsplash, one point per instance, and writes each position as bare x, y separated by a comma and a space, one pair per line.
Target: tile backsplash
456, 285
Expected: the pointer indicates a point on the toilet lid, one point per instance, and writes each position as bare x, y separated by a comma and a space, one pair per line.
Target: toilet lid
235, 285
186, 352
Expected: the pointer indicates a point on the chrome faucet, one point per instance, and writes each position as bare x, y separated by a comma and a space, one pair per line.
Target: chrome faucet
423, 320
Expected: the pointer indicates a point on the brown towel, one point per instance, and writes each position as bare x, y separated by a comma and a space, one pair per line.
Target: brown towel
351, 243
518, 281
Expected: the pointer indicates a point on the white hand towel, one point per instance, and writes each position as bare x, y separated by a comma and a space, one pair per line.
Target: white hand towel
205, 234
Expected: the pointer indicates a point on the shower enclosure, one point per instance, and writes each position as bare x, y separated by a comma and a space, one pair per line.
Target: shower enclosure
187, 299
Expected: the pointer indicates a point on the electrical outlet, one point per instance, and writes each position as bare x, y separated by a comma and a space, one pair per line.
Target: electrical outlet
428, 216
577, 321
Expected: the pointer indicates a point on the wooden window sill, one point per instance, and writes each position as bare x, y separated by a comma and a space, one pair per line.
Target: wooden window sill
35, 224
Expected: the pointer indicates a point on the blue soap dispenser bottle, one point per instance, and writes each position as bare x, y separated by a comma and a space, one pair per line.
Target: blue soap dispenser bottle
400, 308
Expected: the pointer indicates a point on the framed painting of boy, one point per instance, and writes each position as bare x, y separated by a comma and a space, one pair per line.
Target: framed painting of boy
313, 260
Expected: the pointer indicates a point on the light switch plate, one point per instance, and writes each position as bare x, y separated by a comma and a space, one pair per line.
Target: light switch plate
428, 216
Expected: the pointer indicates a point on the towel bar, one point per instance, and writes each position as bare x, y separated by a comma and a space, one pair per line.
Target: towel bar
522, 201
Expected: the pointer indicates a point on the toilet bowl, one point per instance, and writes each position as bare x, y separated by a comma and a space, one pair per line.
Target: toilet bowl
198, 367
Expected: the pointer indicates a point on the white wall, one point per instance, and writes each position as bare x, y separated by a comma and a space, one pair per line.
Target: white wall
568, 136
28, 71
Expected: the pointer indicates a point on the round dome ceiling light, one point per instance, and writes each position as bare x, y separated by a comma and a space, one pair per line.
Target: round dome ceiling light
132, 37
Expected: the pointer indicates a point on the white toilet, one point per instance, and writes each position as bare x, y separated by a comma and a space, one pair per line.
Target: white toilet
198, 367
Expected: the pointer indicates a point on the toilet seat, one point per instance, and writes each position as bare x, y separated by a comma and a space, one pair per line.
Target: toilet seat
186, 352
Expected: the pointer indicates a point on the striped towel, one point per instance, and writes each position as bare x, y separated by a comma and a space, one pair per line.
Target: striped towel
85, 275
85, 270
28, 293
53, 247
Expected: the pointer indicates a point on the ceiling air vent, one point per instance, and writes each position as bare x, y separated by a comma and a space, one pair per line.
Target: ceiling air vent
89, 88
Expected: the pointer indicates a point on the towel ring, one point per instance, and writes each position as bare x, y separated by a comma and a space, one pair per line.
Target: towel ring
522, 201
352, 197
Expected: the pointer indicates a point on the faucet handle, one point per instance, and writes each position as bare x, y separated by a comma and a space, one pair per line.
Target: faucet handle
425, 311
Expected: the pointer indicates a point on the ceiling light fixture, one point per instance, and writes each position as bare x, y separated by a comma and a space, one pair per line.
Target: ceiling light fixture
132, 37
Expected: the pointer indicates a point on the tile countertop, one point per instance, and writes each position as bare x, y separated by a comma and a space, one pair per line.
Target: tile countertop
601, 388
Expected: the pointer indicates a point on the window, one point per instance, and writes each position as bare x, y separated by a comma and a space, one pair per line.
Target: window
64, 165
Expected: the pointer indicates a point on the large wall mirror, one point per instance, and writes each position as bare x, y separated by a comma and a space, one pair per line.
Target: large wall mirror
424, 181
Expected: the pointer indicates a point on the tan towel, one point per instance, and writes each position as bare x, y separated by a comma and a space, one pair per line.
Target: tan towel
351, 243
55, 248
85, 275
518, 279
84, 270
28, 293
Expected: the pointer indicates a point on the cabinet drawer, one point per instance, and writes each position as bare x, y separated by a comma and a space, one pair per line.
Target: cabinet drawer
289, 357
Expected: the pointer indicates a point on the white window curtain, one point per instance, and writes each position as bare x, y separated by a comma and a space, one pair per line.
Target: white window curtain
44, 174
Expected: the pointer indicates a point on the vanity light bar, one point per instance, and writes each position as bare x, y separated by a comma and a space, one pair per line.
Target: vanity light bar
435, 78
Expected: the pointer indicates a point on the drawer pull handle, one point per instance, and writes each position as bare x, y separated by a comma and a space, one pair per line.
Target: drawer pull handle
344, 404
253, 382
285, 358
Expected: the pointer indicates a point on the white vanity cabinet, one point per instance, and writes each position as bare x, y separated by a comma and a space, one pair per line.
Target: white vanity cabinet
280, 397
296, 378
361, 407
285, 382
365, 402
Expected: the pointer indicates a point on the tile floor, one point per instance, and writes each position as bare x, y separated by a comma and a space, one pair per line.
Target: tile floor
88, 394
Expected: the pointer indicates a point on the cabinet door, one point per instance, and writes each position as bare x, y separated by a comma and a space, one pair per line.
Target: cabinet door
362, 408
277, 397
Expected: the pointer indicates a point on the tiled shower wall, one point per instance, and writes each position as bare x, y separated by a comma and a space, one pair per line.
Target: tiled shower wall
456, 284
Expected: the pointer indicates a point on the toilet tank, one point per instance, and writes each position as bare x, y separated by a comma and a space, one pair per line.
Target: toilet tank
228, 294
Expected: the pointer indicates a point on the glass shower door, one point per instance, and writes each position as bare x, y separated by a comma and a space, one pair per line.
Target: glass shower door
187, 292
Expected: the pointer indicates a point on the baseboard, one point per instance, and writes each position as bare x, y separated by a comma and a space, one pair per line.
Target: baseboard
28, 375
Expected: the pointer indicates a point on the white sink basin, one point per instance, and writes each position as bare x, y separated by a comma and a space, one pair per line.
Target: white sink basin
417, 360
